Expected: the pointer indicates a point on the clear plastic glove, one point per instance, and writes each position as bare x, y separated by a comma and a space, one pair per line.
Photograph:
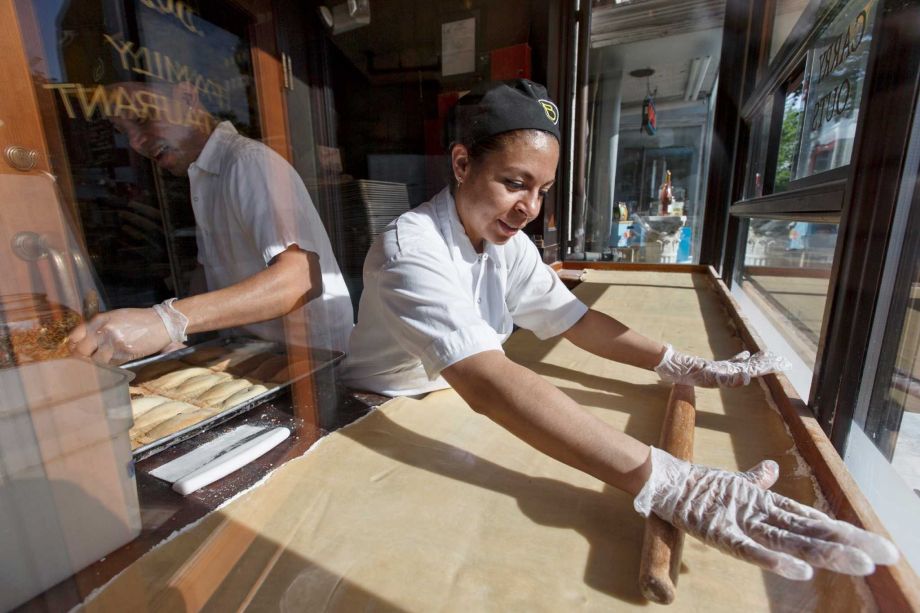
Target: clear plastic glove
120, 336
677, 367
737, 514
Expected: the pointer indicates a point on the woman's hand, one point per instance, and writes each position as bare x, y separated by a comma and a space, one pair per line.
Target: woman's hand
737, 514
677, 367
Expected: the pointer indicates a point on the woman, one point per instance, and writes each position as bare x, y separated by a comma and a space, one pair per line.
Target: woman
445, 283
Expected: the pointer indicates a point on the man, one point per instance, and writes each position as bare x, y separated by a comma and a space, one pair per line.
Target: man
261, 243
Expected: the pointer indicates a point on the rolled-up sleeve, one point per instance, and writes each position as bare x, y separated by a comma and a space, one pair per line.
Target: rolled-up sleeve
537, 299
432, 317
272, 203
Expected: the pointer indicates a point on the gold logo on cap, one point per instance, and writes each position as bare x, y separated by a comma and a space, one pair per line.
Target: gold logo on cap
552, 112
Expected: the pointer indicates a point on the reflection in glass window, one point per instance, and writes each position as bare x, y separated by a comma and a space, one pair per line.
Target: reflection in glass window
883, 444
92, 53
646, 188
786, 274
784, 19
791, 133
835, 72
893, 421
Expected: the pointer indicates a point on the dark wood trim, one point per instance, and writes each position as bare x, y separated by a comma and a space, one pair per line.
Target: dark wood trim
267, 72
791, 55
567, 88
841, 173
757, 38
736, 231
720, 189
735, 240
582, 97
773, 137
579, 265
892, 83
798, 273
767, 22
825, 198
896, 587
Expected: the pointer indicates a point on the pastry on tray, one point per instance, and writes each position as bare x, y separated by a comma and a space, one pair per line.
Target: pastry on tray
174, 424
174, 394
152, 418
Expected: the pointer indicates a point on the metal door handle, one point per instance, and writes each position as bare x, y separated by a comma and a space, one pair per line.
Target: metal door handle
20, 158
31, 247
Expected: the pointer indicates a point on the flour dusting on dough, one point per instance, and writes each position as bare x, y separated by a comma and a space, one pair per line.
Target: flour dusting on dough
802, 468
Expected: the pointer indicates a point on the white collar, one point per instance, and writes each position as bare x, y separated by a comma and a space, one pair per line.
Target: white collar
212, 156
461, 248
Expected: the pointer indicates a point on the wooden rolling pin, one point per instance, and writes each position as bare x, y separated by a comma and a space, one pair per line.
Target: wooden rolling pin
659, 565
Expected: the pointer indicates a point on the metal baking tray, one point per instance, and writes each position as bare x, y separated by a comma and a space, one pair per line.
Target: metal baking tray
322, 358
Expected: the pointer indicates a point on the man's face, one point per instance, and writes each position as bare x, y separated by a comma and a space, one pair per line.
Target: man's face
157, 127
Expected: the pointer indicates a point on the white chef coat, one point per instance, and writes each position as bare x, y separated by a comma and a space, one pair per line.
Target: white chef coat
430, 300
250, 205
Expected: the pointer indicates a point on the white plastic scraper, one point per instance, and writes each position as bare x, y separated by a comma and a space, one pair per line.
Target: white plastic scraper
218, 458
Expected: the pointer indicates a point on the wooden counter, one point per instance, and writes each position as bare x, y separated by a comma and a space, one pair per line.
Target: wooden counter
425, 505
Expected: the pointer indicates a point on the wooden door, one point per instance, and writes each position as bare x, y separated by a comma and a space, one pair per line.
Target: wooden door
31, 215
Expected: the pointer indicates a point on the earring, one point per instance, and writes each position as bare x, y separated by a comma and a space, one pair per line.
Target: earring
459, 181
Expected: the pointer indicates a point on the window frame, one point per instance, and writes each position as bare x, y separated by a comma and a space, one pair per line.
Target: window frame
861, 196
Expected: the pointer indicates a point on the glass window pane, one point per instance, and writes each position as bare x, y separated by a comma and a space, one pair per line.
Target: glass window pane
893, 420
835, 72
883, 445
790, 135
629, 164
309, 131
904, 395
785, 274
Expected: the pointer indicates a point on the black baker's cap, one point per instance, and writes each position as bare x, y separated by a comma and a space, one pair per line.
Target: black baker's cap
494, 107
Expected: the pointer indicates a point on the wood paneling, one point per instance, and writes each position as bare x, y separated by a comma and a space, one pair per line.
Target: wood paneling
269, 77
20, 118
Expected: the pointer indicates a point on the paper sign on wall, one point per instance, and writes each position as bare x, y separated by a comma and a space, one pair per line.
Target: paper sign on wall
458, 47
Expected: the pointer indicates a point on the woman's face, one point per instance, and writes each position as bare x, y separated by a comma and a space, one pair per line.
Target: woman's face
502, 191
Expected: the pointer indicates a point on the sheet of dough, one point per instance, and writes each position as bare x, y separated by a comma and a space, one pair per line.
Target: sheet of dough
427, 506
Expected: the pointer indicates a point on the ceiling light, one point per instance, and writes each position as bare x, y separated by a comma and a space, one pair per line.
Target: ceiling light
346, 16
698, 68
641, 73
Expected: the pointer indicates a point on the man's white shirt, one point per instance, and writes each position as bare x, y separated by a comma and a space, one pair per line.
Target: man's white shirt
250, 205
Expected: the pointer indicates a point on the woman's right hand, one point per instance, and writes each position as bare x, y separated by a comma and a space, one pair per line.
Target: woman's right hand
736, 513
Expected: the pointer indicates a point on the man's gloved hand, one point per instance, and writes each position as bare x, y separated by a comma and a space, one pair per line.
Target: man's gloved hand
677, 367
120, 336
737, 514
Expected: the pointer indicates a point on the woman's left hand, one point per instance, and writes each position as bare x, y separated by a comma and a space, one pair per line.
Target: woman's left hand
677, 367
737, 514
